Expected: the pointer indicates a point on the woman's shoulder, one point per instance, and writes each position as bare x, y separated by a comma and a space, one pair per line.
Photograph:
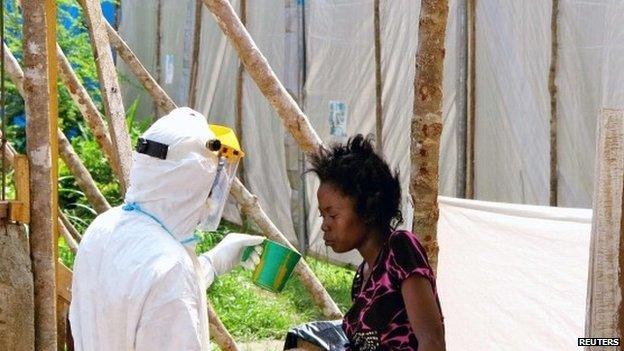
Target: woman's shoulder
402, 238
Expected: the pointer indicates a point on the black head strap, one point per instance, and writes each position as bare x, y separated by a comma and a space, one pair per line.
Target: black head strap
152, 148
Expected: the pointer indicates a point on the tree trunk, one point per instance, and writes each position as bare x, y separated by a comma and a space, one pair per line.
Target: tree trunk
38, 33
427, 124
605, 308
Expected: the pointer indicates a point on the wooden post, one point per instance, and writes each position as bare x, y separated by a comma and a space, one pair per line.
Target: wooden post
427, 124
378, 81
109, 86
552, 89
605, 310
40, 90
259, 70
195, 54
471, 101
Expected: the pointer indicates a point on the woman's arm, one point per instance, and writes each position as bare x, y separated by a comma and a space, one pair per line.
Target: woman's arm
423, 313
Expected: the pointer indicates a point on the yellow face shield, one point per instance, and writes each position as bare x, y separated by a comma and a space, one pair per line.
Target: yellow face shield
229, 155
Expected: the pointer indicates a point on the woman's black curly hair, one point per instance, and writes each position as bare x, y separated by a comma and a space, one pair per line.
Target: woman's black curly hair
358, 172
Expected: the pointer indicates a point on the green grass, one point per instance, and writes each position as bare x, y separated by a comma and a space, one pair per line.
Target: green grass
251, 313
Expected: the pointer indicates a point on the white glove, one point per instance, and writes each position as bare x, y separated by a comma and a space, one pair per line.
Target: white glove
229, 251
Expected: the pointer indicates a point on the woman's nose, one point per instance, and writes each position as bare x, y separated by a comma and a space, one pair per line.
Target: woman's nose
324, 226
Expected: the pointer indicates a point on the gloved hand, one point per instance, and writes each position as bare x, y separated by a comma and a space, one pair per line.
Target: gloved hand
228, 253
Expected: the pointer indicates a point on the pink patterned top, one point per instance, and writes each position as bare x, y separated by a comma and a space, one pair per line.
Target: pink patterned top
378, 318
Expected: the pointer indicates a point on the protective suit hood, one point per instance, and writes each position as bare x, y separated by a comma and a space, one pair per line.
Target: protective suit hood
175, 190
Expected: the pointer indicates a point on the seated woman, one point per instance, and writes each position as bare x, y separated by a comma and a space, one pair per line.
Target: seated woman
395, 304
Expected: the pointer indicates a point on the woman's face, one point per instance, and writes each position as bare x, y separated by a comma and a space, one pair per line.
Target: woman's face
343, 230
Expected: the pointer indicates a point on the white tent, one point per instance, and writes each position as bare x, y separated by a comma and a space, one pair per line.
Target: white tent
323, 51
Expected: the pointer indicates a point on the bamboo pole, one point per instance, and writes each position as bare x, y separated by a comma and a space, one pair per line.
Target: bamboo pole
109, 86
37, 28
89, 111
471, 101
260, 71
69, 156
378, 80
254, 210
427, 124
605, 310
160, 97
552, 89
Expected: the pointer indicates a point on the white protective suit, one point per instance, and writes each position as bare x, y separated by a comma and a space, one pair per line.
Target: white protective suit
135, 285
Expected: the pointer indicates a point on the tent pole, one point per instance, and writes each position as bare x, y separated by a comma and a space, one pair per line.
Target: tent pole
552, 88
378, 80
471, 101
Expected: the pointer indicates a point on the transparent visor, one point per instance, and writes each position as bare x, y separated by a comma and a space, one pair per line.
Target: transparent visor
226, 172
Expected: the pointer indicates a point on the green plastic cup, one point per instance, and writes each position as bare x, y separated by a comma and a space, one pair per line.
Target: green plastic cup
277, 263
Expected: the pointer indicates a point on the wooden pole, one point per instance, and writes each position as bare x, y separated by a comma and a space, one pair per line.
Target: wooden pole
378, 80
109, 86
38, 27
427, 124
605, 312
260, 71
195, 54
552, 88
471, 101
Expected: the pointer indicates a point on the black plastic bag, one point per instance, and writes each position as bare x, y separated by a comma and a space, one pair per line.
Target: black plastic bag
327, 335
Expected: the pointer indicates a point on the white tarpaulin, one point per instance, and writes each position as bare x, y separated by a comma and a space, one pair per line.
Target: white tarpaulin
512, 277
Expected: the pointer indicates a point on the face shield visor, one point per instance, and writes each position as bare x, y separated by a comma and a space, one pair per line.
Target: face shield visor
229, 154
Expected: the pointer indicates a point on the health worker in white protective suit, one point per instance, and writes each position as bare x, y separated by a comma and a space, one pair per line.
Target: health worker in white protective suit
137, 283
